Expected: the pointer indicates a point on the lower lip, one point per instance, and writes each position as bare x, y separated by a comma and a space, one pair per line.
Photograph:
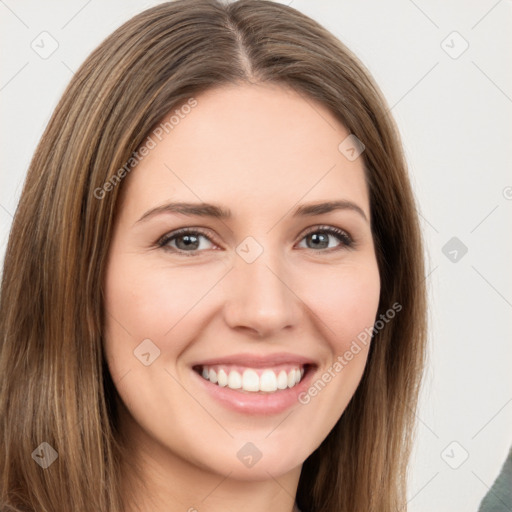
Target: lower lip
257, 403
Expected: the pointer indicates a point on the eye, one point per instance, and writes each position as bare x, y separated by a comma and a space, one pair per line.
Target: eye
185, 240
319, 238
188, 240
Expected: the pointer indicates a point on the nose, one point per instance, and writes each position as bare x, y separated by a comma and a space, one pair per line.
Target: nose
260, 296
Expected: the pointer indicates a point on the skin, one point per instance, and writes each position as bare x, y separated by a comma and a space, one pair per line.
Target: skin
261, 151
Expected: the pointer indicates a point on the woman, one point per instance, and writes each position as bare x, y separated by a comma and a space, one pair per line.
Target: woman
213, 292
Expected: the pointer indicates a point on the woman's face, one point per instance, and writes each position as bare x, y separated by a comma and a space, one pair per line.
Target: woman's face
257, 299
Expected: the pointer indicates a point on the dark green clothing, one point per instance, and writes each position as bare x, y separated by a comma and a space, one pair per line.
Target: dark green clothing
499, 496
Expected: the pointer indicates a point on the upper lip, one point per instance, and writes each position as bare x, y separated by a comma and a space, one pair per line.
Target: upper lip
257, 360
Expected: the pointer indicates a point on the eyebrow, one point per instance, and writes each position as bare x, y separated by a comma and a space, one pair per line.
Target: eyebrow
217, 212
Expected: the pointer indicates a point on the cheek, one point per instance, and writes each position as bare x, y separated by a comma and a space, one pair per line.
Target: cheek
153, 301
150, 299
345, 306
345, 302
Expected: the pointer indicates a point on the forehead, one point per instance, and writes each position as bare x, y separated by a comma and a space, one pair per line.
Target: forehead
245, 146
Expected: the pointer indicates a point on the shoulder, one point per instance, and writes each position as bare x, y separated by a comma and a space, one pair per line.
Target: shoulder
499, 496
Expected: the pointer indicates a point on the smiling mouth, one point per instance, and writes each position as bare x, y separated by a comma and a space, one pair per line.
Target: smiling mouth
254, 380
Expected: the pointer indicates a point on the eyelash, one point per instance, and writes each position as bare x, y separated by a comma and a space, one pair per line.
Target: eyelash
342, 236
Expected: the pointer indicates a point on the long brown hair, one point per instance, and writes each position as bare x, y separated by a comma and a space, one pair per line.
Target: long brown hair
55, 386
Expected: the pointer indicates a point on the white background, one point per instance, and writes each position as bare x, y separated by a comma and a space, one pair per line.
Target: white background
455, 118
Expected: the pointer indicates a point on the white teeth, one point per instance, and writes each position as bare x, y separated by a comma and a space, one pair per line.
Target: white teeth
291, 379
268, 381
250, 381
222, 378
234, 380
282, 380
212, 376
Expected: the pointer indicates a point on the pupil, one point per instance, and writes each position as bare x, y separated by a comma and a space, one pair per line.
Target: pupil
315, 237
189, 240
